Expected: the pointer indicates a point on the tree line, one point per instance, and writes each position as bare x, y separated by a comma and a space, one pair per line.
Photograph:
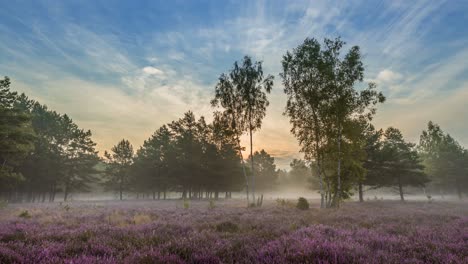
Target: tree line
330, 108
42, 152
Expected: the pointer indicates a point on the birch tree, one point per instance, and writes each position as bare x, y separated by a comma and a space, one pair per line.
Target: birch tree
322, 99
243, 95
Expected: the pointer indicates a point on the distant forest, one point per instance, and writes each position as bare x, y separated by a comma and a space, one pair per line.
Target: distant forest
330, 108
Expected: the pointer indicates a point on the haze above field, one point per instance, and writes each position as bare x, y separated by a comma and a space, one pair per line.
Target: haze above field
123, 70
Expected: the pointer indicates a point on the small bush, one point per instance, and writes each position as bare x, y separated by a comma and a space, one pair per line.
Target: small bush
3, 204
211, 205
429, 198
186, 204
25, 214
302, 204
228, 227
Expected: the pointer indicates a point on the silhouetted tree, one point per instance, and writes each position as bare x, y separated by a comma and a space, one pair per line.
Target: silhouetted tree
445, 160
401, 163
118, 168
243, 94
265, 169
16, 137
154, 163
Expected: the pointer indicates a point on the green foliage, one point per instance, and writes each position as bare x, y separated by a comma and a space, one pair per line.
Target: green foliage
189, 154
265, 170
118, 166
324, 106
445, 160
46, 151
302, 204
16, 136
399, 163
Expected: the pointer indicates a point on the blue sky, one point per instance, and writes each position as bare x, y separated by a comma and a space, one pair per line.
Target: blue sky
124, 68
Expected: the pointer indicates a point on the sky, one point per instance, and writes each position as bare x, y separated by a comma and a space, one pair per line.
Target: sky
124, 68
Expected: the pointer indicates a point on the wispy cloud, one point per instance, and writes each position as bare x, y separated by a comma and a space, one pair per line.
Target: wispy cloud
123, 74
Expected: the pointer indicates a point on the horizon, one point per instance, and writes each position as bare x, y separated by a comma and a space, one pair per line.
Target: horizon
123, 71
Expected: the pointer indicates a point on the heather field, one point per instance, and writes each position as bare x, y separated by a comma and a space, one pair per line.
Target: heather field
227, 232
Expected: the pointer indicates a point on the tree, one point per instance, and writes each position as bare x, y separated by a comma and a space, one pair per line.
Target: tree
445, 160
401, 163
119, 163
322, 100
265, 169
189, 151
43, 168
373, 163
78, 156
243, 95
300, 172
154, 163
227, 164
16, 137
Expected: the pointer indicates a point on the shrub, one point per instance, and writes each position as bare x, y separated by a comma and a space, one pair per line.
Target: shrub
302, 204
25, 214
429, 198
227, 226
186, 204
211, 205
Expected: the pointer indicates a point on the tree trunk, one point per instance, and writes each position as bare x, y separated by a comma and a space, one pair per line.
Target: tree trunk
159, 195
459, 192
243, 170
400, 189
54, 191
361, 194
338, 195
120, 188
329, 199
252, 162
164, 194
154, 195
322, 194
65, 195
